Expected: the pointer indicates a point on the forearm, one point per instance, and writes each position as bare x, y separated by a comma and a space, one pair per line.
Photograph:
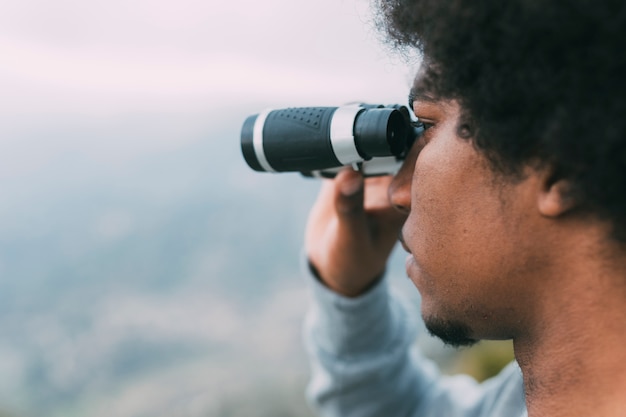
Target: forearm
359, 350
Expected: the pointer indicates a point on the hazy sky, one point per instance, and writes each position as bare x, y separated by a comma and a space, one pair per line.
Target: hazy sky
325, 49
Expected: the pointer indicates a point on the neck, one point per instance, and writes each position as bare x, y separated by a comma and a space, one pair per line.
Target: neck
574, 359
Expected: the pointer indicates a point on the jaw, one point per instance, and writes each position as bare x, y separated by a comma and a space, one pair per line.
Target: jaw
452, 333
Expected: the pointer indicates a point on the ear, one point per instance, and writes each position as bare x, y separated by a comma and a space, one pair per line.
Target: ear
555, 197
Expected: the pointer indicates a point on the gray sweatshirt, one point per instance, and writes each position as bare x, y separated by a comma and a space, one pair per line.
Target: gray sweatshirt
364, 363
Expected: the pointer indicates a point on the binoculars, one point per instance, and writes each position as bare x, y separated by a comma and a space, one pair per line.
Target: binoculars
319, 141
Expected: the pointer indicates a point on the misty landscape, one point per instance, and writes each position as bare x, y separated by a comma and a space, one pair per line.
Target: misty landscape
165, 283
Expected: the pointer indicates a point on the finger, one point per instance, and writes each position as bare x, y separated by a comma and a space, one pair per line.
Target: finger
349, 194
376, 194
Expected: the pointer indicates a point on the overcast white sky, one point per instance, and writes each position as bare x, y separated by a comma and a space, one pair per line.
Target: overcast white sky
293, 48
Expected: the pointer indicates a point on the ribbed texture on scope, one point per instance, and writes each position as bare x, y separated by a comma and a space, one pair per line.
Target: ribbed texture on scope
309, 116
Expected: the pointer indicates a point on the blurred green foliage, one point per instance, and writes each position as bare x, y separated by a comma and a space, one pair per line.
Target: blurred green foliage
483, 360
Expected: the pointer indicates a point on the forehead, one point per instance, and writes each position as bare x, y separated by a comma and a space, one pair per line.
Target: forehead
424, 94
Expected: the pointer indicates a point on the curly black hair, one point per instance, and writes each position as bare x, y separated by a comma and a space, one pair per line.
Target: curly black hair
540, 81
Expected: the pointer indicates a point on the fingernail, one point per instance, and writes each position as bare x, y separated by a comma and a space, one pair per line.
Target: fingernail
351, 186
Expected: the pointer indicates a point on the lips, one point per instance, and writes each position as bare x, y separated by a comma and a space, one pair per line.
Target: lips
412, 270
410, 262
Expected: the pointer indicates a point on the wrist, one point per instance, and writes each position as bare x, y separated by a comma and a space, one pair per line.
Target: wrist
351, 290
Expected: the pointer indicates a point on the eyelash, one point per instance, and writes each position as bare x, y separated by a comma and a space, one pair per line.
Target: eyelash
423, 125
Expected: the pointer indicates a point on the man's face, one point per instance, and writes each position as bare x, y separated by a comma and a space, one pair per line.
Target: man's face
468, 231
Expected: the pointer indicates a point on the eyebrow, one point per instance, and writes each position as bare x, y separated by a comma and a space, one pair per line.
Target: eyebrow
418, 93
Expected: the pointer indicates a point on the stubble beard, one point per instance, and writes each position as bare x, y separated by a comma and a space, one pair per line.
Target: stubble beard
452, 333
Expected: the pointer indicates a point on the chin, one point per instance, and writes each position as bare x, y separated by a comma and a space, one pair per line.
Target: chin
452, 333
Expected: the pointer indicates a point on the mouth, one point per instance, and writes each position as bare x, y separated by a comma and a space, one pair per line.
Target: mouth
410, 262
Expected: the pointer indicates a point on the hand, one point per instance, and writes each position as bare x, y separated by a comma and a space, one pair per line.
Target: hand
351, 231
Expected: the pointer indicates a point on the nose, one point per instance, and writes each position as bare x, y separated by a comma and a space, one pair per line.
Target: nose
400, 187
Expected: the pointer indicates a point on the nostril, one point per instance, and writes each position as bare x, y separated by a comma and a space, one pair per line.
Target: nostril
400, 196
400, 190
402, 208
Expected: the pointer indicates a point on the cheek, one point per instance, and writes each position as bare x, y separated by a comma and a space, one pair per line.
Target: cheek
429, 223
455, 227
436, 205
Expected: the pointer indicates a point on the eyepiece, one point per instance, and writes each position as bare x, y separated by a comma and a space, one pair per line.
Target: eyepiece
380, 132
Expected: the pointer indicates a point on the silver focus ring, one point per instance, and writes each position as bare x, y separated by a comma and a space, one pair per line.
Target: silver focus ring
257, 141
342, 134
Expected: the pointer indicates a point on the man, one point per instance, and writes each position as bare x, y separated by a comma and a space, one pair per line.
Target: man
512, 208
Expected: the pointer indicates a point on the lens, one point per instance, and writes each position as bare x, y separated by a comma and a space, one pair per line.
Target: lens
293, 139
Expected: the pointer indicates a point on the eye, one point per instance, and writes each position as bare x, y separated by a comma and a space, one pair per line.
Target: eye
420, 128
423, 125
